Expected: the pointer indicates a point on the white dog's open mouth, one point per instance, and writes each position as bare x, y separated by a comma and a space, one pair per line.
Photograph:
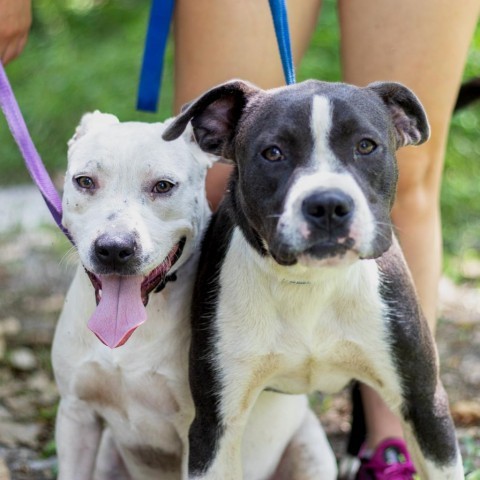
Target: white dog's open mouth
121, 300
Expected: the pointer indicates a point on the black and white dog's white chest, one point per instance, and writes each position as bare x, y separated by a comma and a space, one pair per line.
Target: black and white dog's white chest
315, 331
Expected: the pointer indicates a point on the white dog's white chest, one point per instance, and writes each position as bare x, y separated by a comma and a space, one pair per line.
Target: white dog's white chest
143, 402
110, 388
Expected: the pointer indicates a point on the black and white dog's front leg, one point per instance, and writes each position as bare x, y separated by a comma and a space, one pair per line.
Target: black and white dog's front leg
215, 435
430, 435
428, 426
428, 429
221, 414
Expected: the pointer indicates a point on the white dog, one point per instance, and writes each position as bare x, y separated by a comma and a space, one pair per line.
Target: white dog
135, 207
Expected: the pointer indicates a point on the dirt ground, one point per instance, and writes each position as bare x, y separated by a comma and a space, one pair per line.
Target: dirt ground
35, 269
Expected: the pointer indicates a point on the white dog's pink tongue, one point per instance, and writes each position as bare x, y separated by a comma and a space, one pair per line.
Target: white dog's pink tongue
120, 310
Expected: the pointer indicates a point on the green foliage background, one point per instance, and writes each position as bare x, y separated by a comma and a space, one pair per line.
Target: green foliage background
84, 55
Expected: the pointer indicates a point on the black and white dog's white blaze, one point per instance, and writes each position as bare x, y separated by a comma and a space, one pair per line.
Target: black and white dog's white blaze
302, 285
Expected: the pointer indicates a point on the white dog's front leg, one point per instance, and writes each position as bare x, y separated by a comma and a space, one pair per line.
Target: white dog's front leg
78, 433
109, 463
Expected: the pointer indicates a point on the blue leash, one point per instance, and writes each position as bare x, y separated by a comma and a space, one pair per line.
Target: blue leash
155, 44
156, 41
280, 22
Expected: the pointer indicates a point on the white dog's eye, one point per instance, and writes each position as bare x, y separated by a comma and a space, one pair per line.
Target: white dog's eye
163, 186
85, 182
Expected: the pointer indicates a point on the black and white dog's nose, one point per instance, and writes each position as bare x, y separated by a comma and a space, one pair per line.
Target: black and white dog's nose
115, 250
328, 209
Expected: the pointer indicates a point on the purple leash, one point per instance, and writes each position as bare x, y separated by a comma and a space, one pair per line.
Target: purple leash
32, 159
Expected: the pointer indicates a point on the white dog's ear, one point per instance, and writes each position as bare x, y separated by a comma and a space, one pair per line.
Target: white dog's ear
201, 156
92, 121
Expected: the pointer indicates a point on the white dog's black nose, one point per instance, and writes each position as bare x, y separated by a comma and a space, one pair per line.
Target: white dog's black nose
115, 250
328, 209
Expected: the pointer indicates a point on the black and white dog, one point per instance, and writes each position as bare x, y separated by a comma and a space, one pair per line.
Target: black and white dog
302, 285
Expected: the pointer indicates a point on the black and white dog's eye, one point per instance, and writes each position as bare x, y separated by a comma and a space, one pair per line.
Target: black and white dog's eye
85, 182
366, 146
272, 154
163, 186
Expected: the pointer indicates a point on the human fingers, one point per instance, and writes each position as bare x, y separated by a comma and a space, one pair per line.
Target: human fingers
15, 21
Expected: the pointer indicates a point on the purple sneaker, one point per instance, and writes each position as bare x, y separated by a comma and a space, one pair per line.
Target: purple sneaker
389, 461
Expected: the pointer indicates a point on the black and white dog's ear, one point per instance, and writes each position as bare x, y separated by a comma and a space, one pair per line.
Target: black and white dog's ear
407, 113
90, 122
214, 117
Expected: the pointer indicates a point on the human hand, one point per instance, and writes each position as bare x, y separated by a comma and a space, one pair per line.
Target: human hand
15, 21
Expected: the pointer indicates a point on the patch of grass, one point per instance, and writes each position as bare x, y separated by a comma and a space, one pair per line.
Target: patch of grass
49, 450
48, 414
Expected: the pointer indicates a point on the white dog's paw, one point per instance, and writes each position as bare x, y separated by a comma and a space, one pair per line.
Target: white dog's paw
92, 121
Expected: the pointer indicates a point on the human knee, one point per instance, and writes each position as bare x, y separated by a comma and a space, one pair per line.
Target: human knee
420, 171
